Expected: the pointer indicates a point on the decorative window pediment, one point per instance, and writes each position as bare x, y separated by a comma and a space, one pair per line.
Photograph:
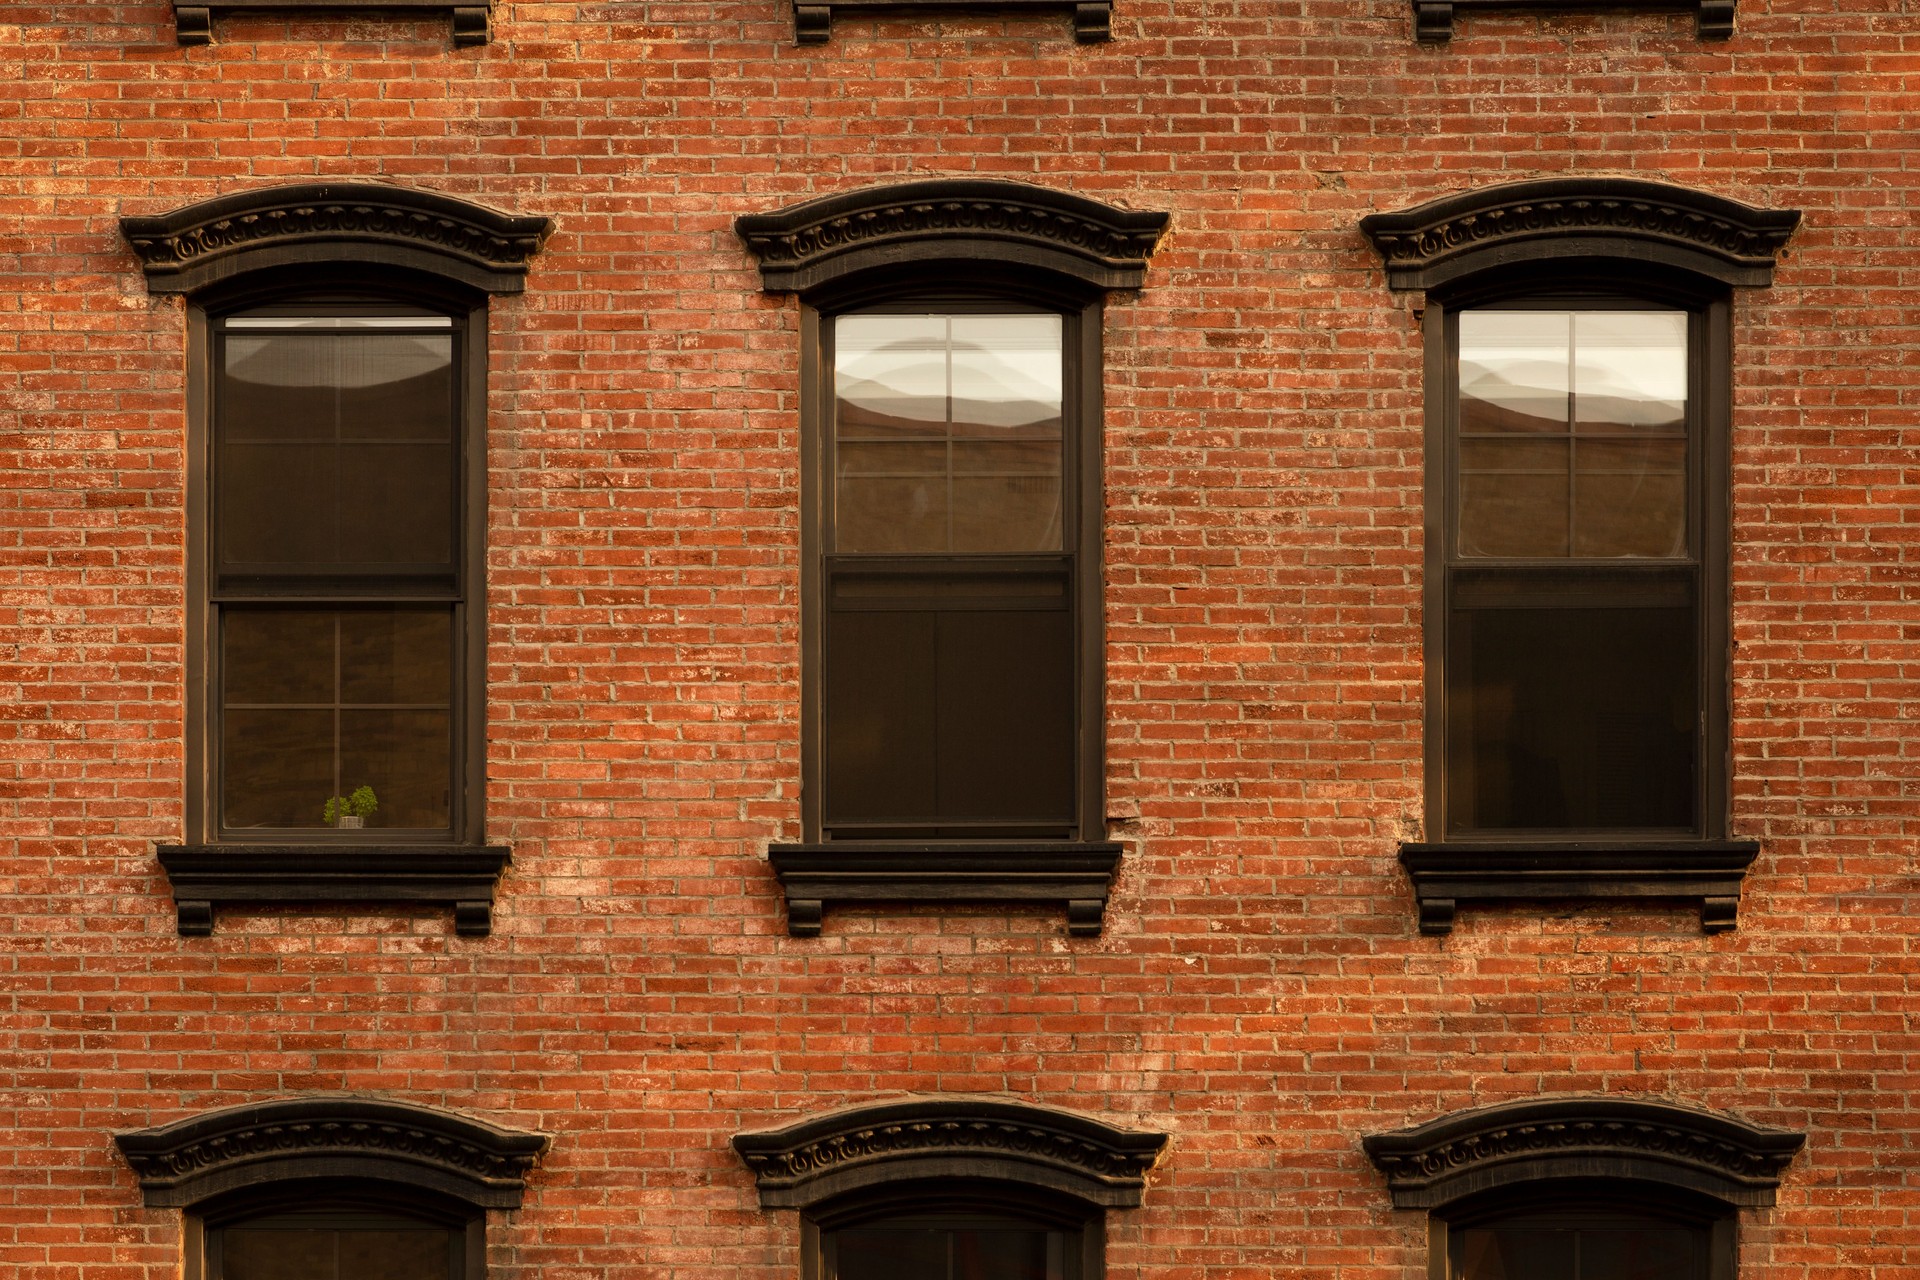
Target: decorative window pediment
348, 223
193, 1160
990, 1139
1567, 219
958, 222
1523, 1143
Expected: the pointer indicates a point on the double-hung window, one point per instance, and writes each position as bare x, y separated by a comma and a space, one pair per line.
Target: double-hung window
336, 584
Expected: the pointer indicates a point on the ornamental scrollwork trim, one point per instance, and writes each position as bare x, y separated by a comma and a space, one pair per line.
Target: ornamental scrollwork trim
1106, 245
1704, 1151
176, 1162
923, 1136
183, 249
1736, 242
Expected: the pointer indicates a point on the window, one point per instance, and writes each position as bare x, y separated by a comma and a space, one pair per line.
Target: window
951, 1231
1581, 672
959, 1188
1579, 367
1583, 1188
952, 659
336, 504
337, 589
950, 704
340, 1232
332, 1187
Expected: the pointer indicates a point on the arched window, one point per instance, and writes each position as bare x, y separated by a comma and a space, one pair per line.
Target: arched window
332, 1188
950, 416
337, 358
1579, 420
1583, 1188
951, 1188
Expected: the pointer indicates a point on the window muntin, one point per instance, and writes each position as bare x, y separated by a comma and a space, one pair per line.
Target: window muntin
1573, 682
950, 674
335, 541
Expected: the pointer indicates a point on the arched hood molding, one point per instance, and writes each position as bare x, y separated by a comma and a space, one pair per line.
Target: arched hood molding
1434, 1164
952, 222
816, 1159
192, 1160
1456, 236
317, 223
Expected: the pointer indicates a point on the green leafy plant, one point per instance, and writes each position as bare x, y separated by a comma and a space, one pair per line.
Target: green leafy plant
361, 804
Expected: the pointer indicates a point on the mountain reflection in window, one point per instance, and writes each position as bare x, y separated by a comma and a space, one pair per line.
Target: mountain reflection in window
947, 433
1573, 434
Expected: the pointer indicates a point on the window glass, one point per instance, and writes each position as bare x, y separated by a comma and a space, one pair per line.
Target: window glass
336, 544
947, 433
1573, 434
1619, 1250
1573, 680
326, 1245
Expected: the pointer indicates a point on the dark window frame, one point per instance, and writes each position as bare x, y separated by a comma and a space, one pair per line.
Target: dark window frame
1573, 1203
957, 1202
1078, 868
342, 1201
1704, 864
306, 866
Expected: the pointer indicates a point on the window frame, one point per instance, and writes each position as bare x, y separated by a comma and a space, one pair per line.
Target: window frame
1709, 428
1572, 1200
202, 1225
1084, 1228
1082, 493
346, 292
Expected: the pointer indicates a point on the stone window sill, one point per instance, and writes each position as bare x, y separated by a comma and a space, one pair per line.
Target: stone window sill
205, 877
1078, 874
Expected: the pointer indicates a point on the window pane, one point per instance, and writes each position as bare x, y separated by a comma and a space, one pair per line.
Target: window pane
1516, 1255
335, 452
1572, 717
947, 433
1630, 371
935, 1253
394, 1255
890, 1255
1631, 496
982, 1254
279, 1254
1645, 1253
1513, 497
1514, 370
319, 702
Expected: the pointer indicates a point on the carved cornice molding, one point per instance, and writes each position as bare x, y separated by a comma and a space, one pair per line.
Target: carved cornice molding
1659, 1142
186, 1162
367, 223
987, 1138
1442, 240
951, 220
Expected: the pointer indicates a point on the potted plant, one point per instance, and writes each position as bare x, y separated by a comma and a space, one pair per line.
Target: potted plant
350, 813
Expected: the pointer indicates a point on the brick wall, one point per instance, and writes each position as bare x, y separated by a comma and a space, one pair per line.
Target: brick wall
1260, 991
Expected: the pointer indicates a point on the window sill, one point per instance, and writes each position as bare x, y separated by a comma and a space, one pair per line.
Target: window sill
1079, 874
193, 22
1433, 19
813, 19
1444, 875
207, 876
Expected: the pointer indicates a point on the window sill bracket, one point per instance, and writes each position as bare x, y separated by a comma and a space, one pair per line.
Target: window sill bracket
1710, 871
205, 877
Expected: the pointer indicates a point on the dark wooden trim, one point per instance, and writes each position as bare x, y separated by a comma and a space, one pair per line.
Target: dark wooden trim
1545, 219
1433, 19
813, 19
190, 1161
348, 223
1519, 1144
193, 19
951, 225
992, 1139
1078, 874
205, 877
1709, 871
